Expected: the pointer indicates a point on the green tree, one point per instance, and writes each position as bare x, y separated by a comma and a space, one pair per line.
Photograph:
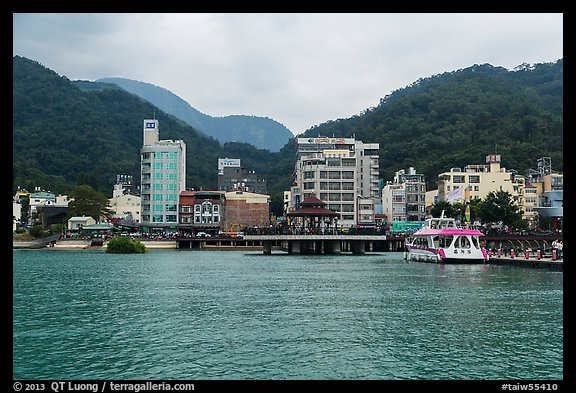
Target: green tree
125, 245
37, 231
450, 209
89, 202
499, 206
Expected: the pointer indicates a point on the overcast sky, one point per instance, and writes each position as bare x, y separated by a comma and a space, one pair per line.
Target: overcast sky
298, 69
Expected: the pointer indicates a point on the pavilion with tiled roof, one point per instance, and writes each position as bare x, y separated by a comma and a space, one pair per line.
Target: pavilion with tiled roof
312, 211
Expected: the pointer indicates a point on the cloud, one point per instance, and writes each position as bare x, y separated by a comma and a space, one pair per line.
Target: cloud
299, 69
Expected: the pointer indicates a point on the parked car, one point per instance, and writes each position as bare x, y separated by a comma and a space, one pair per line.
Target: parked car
203, 234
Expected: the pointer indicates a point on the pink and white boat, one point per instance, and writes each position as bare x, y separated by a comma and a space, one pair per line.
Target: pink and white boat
441, 240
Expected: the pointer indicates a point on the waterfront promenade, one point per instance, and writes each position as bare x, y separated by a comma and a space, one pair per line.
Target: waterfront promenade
302, 244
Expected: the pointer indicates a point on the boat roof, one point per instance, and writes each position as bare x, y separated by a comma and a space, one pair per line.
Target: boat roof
448, 232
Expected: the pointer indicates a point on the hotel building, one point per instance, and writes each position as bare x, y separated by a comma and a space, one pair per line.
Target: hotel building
233, 177
343, 172
163, 178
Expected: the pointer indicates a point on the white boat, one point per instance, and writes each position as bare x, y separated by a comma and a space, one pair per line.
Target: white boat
441, 240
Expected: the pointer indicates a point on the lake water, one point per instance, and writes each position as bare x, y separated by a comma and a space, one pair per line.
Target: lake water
212, 315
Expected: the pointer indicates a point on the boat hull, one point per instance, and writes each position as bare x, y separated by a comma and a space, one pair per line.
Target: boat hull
445, 256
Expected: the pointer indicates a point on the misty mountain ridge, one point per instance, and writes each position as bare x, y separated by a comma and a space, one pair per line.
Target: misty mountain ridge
261, 132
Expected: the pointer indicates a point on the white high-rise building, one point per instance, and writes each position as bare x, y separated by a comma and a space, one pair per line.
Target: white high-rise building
163, 177
343, 172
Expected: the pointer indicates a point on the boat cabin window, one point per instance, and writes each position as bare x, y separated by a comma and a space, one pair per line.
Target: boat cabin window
475, 242
445, 241
464, 242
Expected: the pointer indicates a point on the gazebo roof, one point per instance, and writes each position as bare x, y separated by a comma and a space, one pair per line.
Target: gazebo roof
312, 201
312, 212
312, 207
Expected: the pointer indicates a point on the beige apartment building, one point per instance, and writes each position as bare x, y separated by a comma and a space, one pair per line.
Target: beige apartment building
477, 181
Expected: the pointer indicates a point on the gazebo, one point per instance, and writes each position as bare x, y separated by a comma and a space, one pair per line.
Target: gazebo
313, 211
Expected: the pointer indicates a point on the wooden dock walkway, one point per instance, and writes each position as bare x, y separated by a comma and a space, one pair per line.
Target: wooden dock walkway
542, 263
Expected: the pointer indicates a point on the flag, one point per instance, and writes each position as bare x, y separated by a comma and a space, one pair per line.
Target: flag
456, 195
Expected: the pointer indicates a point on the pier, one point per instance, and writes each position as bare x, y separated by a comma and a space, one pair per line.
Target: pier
328, 244
299, 244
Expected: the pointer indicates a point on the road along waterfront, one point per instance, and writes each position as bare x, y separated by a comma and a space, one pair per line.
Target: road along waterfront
183, 314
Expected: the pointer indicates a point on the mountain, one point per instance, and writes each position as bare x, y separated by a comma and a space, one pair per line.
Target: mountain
262, 132
65, 135
457, 118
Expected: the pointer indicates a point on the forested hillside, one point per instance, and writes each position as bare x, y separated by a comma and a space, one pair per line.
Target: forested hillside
457, 118
64, 135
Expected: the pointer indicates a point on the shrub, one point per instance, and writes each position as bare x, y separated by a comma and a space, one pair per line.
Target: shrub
125, 245
37, 231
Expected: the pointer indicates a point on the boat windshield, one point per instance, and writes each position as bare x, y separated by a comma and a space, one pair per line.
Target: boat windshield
441, 223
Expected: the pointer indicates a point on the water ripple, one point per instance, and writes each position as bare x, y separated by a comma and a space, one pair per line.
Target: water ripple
229, 315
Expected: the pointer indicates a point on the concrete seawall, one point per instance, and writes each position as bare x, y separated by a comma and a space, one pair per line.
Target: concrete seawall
68, 244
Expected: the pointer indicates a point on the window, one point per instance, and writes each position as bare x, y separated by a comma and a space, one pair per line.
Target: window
158, 186
347, 174
335, 196
158, 176
170, 165
171, 208
334, 161
171, 218
346, 207
334, 175
157, 197
158, 165
458, 179
157, 218
323, 175
158, 154
347, 196
474, 179
158, 207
